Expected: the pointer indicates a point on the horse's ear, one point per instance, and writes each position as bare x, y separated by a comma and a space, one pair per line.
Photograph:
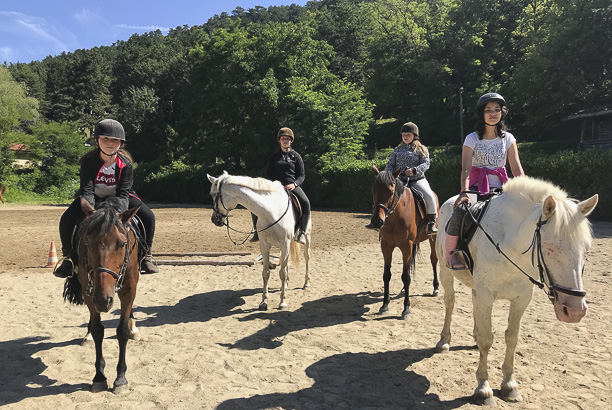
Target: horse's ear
86, 207
549, 206
212, 180
375, 170
587, 206
125, 216
397, 172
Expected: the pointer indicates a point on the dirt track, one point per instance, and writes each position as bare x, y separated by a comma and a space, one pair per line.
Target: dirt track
205, 345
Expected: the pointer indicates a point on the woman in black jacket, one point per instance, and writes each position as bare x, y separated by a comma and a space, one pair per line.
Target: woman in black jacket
106, 171
286, 165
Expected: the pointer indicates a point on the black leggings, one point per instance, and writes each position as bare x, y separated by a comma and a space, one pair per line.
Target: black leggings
304, 202
74, 212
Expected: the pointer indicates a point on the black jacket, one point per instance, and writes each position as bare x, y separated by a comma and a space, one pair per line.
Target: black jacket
286, 167
90, 167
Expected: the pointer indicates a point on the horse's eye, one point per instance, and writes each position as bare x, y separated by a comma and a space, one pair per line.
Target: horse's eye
121, 245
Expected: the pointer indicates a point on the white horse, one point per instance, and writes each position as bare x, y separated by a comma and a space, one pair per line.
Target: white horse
530, 215
275, 222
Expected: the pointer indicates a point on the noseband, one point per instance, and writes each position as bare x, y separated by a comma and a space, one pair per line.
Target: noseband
119, 277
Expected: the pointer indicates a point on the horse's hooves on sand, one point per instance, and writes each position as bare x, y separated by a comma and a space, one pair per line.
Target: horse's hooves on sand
283, 307
86, 341
263, 306
97, 387
384, 310
436, 292
405, 315
135, 336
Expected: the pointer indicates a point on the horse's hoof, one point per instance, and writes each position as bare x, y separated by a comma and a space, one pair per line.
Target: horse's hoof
442, 347
283, 306
135, 336
405, 315
511, 396
306, 285
485, 401
384, 310
263, 306
117, 389
97, 387
86, 340
436, 292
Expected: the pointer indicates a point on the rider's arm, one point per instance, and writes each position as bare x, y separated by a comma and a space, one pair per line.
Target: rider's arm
466, 166
300, 171
515, 162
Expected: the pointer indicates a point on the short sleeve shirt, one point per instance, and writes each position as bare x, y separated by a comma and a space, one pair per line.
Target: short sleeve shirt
489, 153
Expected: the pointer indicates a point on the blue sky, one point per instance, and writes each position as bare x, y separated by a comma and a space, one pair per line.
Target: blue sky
34, 29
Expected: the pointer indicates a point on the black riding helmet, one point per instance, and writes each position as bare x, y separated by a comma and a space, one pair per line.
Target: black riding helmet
487, 98
109, 128
410, 127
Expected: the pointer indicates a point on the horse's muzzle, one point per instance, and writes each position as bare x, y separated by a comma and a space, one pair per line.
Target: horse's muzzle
103, 303
217, 219
375, 223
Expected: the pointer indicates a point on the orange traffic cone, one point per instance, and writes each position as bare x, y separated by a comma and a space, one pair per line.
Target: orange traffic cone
52, 261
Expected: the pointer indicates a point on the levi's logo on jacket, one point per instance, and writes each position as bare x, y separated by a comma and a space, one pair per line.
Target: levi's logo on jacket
105, 183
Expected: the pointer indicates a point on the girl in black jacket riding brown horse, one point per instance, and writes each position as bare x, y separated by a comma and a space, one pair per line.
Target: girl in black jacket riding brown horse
105, 172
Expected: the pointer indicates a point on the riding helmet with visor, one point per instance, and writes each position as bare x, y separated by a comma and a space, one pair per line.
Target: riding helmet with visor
109, 128
410, 127
285, 131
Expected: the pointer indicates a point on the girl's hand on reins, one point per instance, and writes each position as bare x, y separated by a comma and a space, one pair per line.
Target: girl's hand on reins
463, 197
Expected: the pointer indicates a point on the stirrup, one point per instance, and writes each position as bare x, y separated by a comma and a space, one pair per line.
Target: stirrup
431, 228
457, 261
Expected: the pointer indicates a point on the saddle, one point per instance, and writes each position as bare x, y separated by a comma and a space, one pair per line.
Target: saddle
469, 225
419, 201
297, 209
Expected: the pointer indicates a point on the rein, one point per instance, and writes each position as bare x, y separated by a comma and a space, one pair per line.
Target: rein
219, 198
536, 251
119, 277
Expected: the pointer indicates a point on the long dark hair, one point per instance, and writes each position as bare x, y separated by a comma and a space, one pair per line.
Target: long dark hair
500, 127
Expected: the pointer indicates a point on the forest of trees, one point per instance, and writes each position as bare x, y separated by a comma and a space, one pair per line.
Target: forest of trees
333, 70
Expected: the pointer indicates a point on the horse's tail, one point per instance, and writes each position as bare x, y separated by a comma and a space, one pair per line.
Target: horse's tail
72, 290
416, 251
294, 250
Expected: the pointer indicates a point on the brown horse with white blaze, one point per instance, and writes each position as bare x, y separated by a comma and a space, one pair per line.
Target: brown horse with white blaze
107, 249
400, 225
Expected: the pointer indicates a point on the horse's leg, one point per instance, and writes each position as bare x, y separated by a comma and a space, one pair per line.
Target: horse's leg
306, 260
433, 257
509, 387
123, 335
475, 330
484, 304
134, 331
387, 252
97, 332
407, 255
283, 273
265, 262
448, 283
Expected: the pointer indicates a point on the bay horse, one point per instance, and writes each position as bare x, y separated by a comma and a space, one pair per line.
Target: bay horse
107, 249
275, 222
2, 191
400, 224
531, 234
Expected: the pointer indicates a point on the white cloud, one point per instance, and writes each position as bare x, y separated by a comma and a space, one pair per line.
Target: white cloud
87, 16
144, 28
6, 54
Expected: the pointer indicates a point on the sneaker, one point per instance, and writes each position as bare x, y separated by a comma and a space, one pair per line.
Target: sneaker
147, 266
65, 269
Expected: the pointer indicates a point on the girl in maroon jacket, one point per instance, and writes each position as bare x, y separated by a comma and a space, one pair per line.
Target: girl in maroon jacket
105, 172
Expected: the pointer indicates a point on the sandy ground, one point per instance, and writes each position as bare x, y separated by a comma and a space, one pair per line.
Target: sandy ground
205, 345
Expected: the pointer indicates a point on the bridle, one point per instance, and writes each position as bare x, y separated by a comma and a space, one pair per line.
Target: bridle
119, 277
553, 289
395, 200
224, 218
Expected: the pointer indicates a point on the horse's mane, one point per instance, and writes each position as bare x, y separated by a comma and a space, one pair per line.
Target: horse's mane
566, 220
386, 178
256, 184
105, 217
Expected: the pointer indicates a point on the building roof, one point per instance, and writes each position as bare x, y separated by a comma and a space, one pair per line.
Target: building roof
19, 147
591, 112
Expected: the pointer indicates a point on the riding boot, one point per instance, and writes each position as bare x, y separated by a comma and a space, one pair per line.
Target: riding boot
452, 262
304, 220
68, 264
431, 224
148, 266
255, 237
